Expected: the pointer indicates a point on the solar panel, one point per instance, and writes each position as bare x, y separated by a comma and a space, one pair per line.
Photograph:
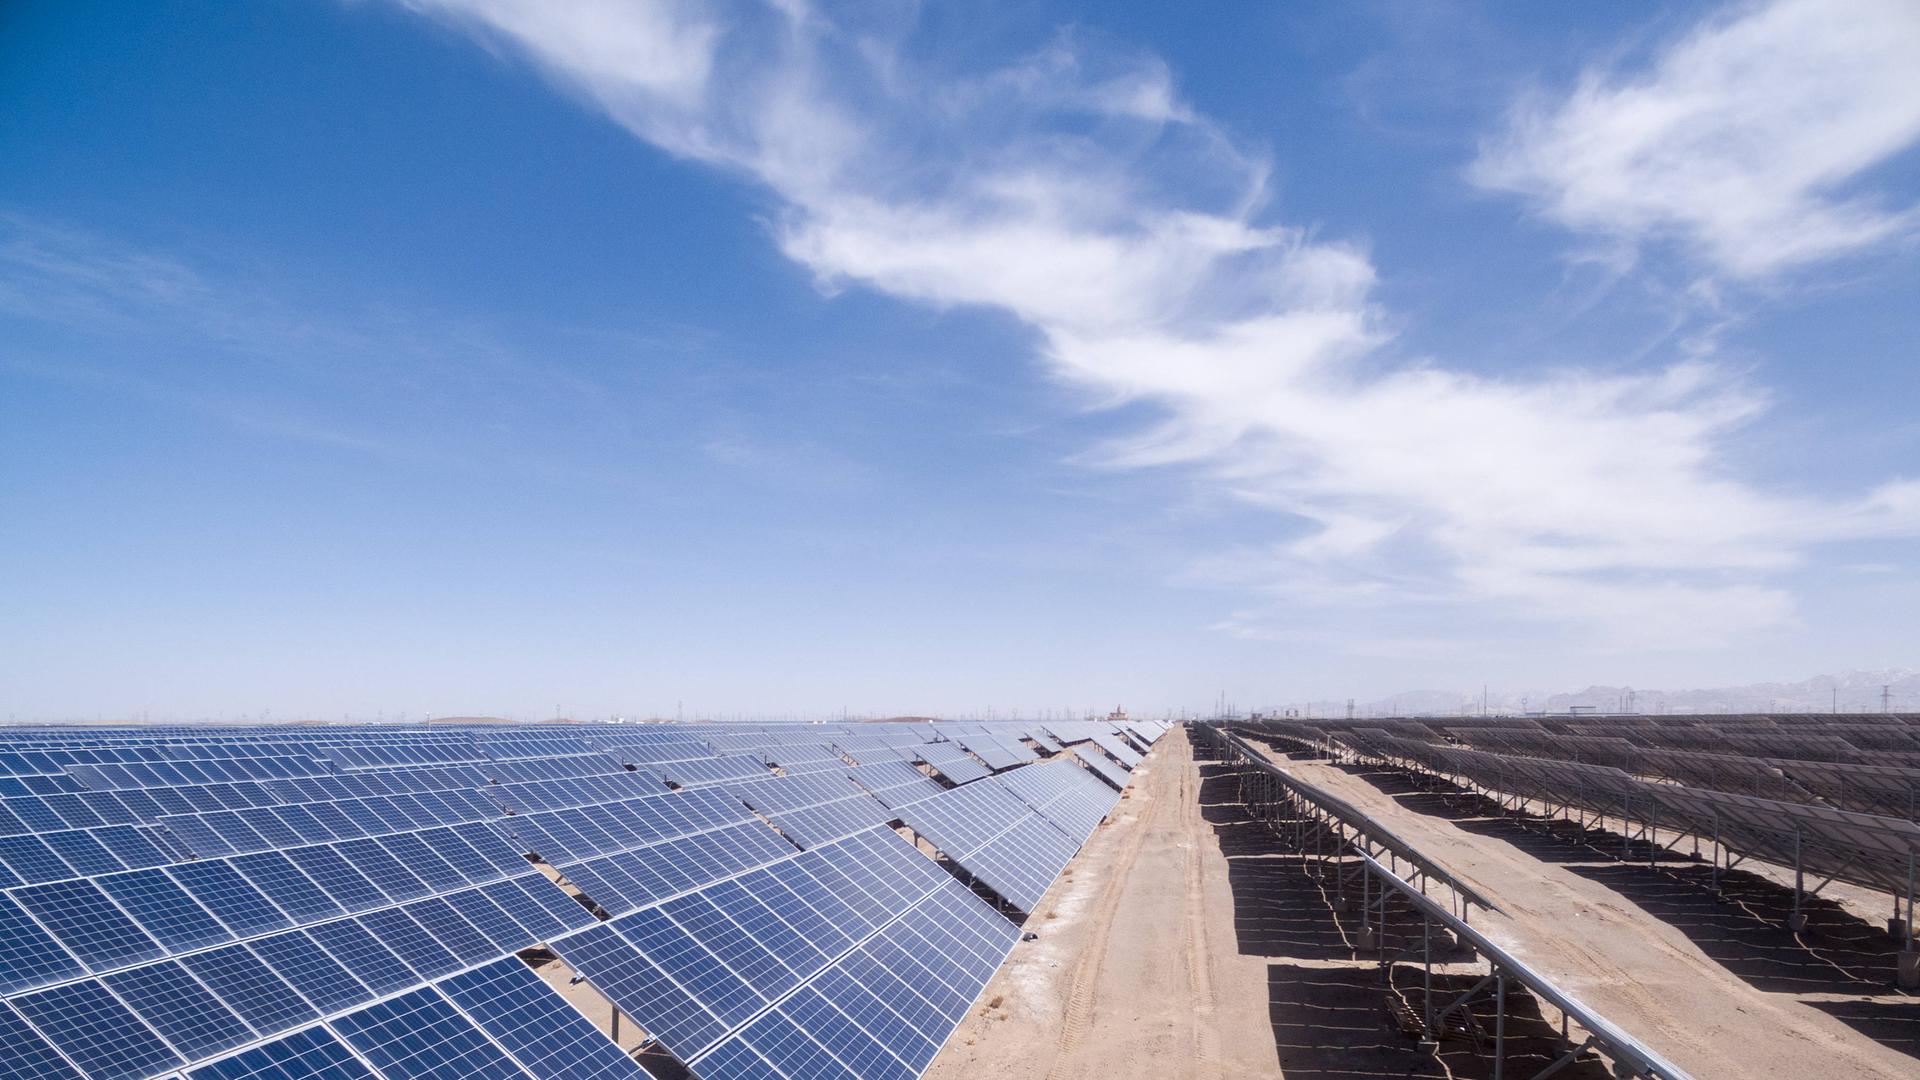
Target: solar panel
28, 956
24, 1053
164, 910
548, 1037
421, 861
488, 917
80, 850
223, 891
312, 1054
290, 890
250, 988
333, 873
639, 988
31, 860
385, 871
96, 1032
357, 867
700, 973
1108, 770
355, 947
90, 925
421, 1036
181, 1010
410, 942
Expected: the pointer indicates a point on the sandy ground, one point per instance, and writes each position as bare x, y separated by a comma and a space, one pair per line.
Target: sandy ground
1718, 986
1136, 970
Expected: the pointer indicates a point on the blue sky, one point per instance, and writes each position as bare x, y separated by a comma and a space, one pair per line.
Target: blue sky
489, 355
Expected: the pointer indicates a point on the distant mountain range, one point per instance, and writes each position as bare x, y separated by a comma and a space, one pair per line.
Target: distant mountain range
1849, 691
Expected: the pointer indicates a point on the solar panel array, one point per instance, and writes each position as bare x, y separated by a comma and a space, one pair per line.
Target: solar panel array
349, 902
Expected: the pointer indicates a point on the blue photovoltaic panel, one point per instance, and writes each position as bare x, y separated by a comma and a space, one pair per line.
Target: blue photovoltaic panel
24, 1053
409, 942
697, 970
164, 910
861, 1052
32, 860
545, 1034
88, 924
735, 1060
28, 957
362, 954
313, 1054
529, 914
423, 862
336, 875
290, 890
250, 988
382, 869
421, 1036
746, 957
96, 1032
791, 1051
183, 1012
639, 988
462, 856
229, 896
563, 908
491, 919
459, 936
311, 971
81, 851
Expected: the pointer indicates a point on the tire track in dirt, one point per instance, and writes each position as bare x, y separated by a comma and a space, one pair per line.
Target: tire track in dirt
1205, 1035
1085, 988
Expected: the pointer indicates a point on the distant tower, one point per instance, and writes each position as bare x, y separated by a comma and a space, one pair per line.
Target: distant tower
1349, 708
1886, 697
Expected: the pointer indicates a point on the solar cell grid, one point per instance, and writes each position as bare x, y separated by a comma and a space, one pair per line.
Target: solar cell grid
29, 957
506, 934
639, 987
96, 1032
697, 971
163, 909
134, 847
311, 971
315, 1053
24, 1053
790, 1050
850, 1043
233, 900
363, 955
546, 1035
548, 897
326, 867
531, 916
453, 932
182, 1011
421, 1036
410, 942
751, 960
31, 860
380, 867
250, 988
88, 923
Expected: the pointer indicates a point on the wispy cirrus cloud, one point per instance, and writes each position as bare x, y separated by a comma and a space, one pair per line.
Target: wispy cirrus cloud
1075, 191
1742, 141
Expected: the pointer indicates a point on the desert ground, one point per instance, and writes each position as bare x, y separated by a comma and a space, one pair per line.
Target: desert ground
1185, 942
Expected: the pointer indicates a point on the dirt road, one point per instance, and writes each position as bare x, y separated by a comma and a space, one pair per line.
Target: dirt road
1136, 971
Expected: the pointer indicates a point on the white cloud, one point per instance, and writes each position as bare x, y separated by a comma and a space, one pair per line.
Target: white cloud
1741, 141
1076, 192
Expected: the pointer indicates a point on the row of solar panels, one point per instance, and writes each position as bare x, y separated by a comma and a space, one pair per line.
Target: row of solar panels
113, 921
1865, 849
